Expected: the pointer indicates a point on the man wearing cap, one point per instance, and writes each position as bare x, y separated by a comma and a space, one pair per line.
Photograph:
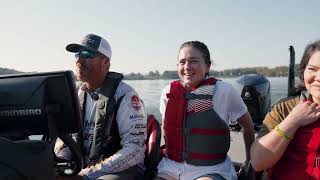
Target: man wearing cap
114, 127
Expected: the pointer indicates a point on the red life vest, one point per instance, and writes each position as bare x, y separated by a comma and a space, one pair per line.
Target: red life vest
301, 158
199, 138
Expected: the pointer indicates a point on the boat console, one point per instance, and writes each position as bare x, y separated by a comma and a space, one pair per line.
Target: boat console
38, 104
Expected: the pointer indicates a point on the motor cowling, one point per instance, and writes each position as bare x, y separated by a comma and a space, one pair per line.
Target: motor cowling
255, 92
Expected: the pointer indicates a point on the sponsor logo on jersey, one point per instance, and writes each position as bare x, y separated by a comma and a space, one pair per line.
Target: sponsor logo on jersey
89, 124
136, 116
137, 141
140, 126
88, 137
137, 133
135, 102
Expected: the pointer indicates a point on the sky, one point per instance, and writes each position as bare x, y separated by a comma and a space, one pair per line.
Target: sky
145, 35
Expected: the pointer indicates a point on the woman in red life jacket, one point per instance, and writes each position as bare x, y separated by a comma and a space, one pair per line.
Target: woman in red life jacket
288, 142
196, 111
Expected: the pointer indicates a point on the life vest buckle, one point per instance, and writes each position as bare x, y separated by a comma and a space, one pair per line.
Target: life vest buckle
316, 161
190, 96
184, 155
187, 131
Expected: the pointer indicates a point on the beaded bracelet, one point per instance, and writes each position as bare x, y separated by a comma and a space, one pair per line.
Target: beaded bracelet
282, 134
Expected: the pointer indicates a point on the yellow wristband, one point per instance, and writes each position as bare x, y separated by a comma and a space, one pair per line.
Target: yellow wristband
282, 134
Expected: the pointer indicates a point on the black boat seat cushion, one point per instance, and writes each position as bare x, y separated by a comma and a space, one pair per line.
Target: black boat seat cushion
152, 146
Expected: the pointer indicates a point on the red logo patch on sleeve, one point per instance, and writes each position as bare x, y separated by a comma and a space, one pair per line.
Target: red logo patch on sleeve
135, 102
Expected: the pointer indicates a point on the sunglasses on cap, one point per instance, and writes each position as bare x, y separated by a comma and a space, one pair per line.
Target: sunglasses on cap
85, 54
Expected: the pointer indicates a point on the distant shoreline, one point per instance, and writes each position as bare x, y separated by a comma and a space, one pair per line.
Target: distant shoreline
218, 77
279, 71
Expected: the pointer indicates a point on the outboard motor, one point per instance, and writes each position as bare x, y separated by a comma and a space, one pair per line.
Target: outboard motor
255, 92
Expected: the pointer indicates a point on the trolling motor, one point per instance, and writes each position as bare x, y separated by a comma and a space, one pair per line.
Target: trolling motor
37, 104
255, 92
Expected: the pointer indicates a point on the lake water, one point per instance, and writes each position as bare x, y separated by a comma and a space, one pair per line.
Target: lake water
150, 90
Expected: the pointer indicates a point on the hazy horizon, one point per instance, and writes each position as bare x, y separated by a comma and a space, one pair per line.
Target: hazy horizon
146, 35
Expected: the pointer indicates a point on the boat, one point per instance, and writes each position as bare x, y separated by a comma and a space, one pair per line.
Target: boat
46, 104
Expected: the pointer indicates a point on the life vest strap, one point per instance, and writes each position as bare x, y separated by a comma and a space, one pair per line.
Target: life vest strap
206, 156
209, 131
198, 96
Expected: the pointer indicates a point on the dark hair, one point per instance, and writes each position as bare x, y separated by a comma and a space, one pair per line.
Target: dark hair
201, 47
308, 52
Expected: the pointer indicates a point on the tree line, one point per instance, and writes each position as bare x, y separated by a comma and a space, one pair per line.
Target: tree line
279, 71
4, 71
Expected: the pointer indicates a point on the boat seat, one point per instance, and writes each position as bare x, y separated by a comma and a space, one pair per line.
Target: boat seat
152, 153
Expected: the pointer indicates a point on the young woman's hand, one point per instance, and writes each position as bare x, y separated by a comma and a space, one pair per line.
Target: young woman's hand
304, 113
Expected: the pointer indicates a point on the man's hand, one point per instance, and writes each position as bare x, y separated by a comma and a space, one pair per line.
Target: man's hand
244, 168
84, 171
